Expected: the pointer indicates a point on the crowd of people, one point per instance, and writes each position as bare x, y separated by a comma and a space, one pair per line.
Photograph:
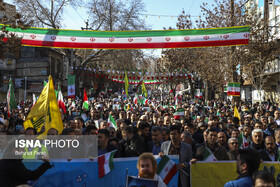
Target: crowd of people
155, 127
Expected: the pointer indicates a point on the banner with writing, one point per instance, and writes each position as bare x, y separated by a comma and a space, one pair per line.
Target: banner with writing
84, 172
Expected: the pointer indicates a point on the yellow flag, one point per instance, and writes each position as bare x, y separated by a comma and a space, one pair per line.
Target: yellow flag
45, 111
128, 107
236, 113
144, 91
126, 84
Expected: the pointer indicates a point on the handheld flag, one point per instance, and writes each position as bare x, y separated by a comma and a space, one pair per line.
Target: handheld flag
11, 102
198, 94
242, 142
34, 99
180, 112
236, 114
45, 112
135, 100
144, 101
208, 156
166, 169
144, 91
85, 104
126, 83
60, 101
105, 163
112, 122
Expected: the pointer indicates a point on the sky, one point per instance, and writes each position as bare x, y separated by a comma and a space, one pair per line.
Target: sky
164, 11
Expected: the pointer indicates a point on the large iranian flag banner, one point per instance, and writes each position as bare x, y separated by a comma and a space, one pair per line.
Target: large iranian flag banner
71, 86
233, 89
61, 38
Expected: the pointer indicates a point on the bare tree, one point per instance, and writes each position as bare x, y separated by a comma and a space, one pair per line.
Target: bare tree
45, 13
10, 43
117, 15
215, 66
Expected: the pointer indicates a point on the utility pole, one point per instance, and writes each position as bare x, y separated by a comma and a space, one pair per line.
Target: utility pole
265, 13
86, 28
266, 19
25, 87
234, 74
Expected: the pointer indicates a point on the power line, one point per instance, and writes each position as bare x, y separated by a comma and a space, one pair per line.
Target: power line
191, 5
71, 17
79, 15
155, 15
161, 15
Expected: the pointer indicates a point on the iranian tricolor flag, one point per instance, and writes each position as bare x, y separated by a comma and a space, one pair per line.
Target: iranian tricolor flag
85, 104
60, 101
225, 88
71, 86
198, 94
11, 101
233, 89
34, 99
144, 101
208, 156
242, 141
180, 112
166, 169
135, 100
112, 122
61, 38
105, 163
73, 105
176, 99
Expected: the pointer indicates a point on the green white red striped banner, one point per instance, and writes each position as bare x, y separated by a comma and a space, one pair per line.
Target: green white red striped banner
233, 89
59, 38
137, 81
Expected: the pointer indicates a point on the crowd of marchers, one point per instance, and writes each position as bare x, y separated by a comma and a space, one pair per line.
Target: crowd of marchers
155, 127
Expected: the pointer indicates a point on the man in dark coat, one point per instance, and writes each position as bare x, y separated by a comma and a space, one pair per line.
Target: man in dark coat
257, 143
211, 144
233, 148
271, 152
131, 145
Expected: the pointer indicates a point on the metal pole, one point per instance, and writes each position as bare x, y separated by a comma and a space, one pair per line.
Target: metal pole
71, 61
234, 74
266, 20
25, 85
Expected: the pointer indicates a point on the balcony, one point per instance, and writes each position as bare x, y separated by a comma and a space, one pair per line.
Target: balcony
272, 66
